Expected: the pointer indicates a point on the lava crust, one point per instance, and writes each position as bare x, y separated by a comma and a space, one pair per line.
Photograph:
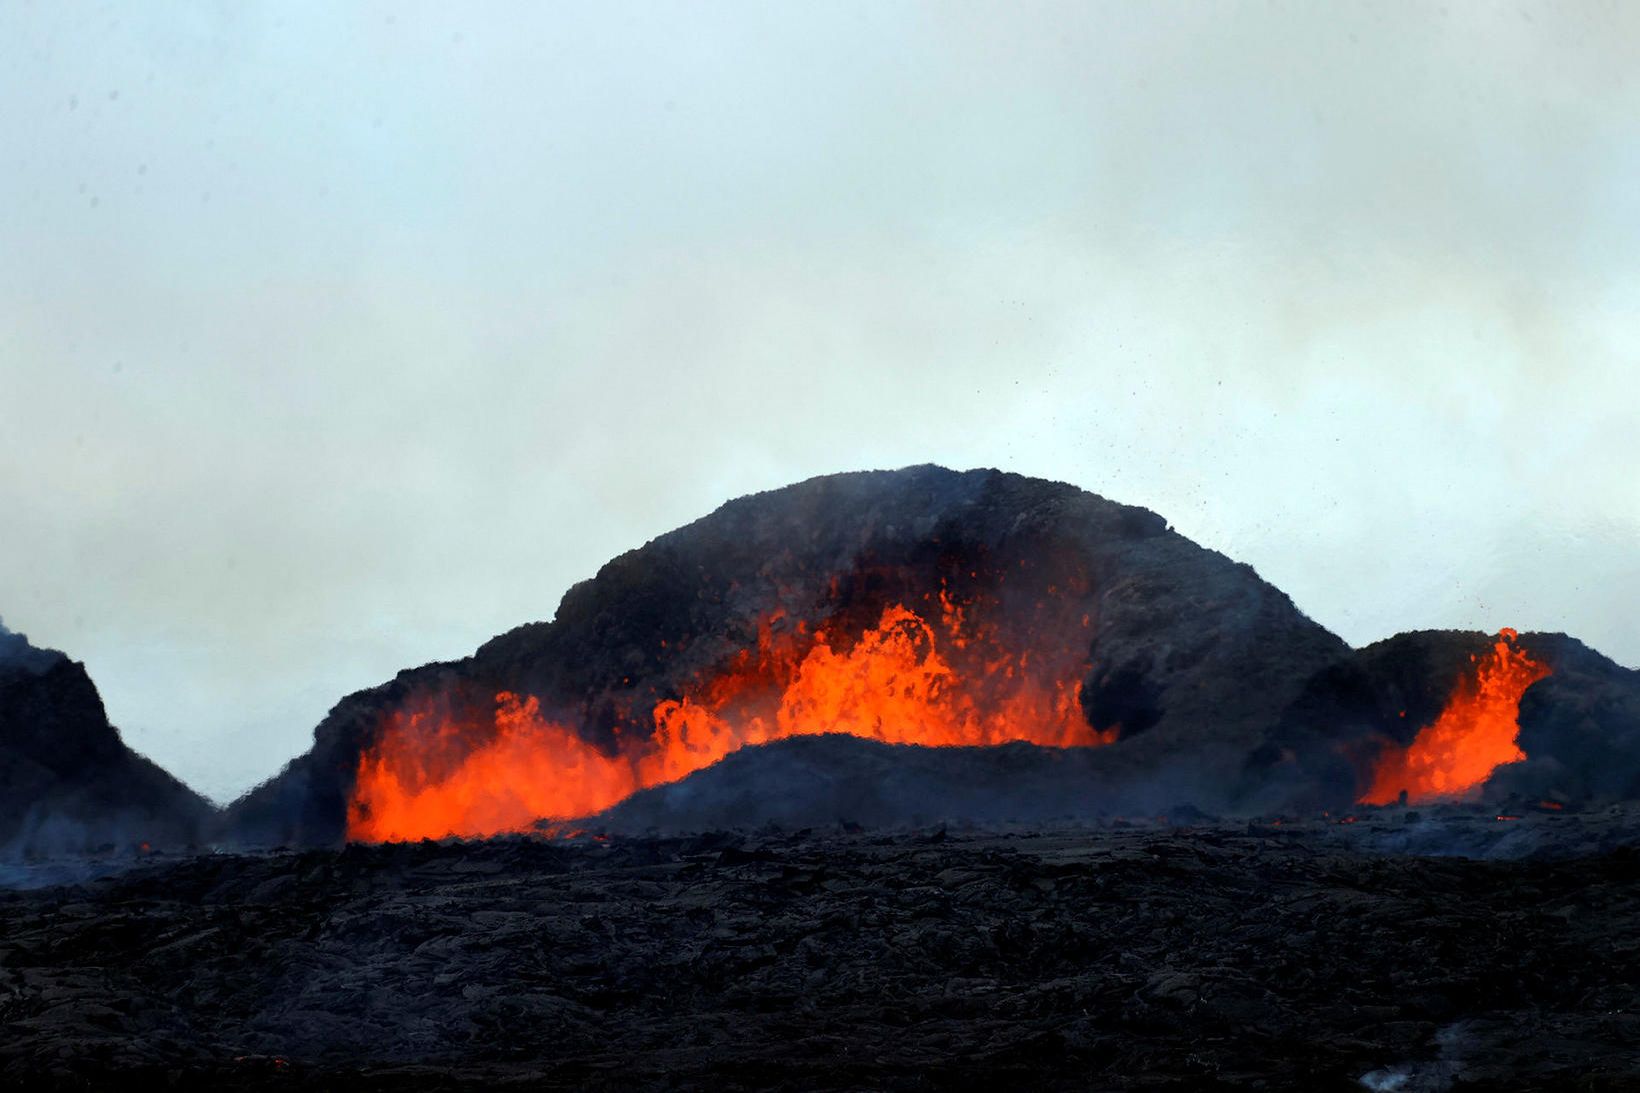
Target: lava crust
1287, 956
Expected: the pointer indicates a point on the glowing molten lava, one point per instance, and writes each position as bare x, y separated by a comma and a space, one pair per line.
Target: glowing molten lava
424, 779
1473, 736
432, 773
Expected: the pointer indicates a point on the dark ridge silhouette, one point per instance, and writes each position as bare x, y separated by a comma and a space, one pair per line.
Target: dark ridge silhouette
68, 783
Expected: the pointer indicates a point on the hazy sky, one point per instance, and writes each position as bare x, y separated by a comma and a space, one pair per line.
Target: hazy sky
338, 338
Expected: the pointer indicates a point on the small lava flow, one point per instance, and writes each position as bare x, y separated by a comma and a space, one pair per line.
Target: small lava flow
945, 677
1474, 735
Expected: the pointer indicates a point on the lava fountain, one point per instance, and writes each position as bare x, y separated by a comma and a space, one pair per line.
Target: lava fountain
1474, 735
942, 677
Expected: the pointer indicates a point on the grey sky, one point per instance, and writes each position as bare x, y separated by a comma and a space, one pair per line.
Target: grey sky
337, 338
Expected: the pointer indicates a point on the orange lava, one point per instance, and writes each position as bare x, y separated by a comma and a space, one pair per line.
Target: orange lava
425, 779
1474, 735
907, 681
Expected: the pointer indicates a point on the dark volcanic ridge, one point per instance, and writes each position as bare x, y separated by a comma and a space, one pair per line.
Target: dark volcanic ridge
68, 784
1220, 693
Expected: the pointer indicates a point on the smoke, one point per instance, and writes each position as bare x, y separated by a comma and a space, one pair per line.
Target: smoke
1344, 291
52, 842
1430, 1076
72, 836
72, 832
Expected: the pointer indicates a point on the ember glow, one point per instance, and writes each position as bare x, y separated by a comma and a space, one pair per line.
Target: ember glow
907, 680
1473, 736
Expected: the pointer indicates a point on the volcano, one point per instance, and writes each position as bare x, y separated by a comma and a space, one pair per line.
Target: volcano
945, 611
914, 607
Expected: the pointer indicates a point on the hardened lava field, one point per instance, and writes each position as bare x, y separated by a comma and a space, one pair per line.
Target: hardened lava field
1120, 956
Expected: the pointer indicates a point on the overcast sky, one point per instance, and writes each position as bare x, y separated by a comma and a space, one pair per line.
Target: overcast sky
337, 338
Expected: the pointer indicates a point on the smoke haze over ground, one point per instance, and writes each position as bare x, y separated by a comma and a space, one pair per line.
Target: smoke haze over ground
338, 340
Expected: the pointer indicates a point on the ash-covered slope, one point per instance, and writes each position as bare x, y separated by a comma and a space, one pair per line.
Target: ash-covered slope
68, 783
1191, 655
831, 781
824, 781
